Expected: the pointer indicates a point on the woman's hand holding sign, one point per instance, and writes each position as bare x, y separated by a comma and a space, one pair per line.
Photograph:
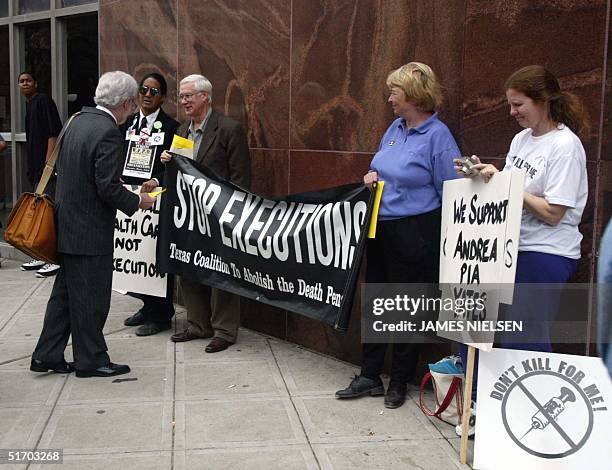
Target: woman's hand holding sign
469, 167
370, 178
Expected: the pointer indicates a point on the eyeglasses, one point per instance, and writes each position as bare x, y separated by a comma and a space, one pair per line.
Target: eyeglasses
145, 89
188, 96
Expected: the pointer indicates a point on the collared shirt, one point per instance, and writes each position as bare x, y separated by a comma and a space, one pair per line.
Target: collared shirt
108, 111
196, 135
150, 118
414, 163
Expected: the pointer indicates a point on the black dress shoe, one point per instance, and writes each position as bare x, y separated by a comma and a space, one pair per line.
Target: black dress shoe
137, 319
217, 344
151, 328
59, 367
395, 397
109, 370
360, 386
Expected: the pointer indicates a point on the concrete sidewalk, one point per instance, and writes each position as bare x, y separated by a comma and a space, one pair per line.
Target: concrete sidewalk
261, 404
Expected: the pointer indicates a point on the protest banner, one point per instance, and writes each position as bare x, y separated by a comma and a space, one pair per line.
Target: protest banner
542, 411
134, 253
300, 253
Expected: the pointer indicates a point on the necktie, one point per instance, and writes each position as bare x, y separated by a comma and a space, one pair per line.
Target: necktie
143, 124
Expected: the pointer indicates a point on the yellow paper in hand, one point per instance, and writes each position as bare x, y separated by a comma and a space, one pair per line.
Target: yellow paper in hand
182, 146
380, 185
157, 193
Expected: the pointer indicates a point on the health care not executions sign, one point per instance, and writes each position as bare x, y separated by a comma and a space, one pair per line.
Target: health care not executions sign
300, 253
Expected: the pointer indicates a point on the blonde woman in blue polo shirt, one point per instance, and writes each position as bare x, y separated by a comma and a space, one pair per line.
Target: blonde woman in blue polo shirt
414, 159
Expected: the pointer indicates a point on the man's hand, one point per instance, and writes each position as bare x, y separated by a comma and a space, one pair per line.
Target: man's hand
148, 186
146, 201
165, 156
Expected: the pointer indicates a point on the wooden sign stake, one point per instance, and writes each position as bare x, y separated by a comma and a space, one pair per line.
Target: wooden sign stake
467, 403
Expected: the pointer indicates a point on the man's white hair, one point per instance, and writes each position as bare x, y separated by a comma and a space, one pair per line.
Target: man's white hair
114, 88
200, 82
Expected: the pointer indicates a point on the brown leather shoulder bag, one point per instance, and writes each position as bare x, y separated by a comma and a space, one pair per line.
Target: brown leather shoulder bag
31, 223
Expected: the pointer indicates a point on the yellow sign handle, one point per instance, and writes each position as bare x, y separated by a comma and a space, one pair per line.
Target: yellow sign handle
379, 186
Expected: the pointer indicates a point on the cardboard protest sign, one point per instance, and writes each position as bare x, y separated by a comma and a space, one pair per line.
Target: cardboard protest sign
542, 411
480, 229
300, 253
479, 247
134, 254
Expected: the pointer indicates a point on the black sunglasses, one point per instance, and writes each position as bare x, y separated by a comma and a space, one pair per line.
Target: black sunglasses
145, 89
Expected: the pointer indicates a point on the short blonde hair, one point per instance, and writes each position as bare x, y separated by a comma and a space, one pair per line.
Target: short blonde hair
419, 83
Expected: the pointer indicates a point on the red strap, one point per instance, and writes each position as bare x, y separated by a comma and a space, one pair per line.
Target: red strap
452, 390
422, 404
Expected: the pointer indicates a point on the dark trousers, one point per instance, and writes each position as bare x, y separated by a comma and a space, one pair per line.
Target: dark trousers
531, 268
405, 250
78, 305
159, 309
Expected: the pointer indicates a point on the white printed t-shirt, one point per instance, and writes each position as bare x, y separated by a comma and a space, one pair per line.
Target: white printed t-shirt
555, 167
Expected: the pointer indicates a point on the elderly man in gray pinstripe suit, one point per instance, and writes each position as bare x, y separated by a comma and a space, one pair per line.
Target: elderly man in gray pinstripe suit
88, 194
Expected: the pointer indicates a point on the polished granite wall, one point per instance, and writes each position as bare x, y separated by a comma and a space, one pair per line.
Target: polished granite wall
307, 79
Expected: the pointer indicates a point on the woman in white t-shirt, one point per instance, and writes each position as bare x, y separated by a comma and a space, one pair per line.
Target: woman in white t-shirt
554, 161
556, 188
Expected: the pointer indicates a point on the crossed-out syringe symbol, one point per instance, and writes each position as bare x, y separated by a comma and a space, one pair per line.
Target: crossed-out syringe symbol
553, 409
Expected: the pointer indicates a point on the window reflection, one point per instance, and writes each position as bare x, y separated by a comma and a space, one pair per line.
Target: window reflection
70, 3
37, 38
29, 6
82, 61
5, 81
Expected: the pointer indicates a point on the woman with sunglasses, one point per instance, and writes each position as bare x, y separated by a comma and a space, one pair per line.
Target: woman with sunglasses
156, 313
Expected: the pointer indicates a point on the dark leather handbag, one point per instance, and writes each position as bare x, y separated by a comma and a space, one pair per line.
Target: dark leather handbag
31, 223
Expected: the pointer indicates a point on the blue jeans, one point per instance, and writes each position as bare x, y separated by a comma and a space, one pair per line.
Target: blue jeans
531, 268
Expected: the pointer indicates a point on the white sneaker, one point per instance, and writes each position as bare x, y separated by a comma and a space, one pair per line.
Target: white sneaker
32, 265
48, 270
471, 425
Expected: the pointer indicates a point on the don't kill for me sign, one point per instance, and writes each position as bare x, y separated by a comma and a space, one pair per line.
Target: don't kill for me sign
542, 411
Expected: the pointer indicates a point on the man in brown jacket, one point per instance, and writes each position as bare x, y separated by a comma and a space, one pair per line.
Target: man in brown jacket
221, 146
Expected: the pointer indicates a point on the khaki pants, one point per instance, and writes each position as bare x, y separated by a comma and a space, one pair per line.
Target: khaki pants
211, 311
